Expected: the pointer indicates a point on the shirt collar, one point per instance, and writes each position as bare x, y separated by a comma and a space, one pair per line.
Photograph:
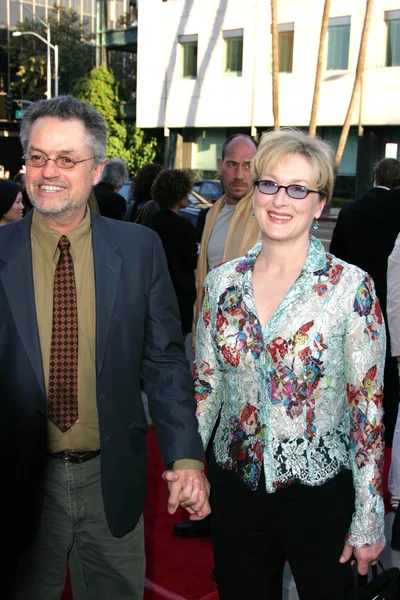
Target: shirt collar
316, 258
48, 238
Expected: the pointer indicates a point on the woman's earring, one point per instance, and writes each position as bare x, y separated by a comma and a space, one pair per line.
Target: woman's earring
252, 216
315, 224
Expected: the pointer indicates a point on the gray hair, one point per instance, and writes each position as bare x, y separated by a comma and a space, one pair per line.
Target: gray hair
275, 146
115, 173
68, 108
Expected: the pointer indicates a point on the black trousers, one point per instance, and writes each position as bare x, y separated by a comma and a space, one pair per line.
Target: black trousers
254, 533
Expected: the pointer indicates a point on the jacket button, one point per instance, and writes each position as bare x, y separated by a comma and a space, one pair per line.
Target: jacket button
40, 413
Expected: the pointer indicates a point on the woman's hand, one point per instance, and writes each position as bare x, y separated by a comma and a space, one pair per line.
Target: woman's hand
190, 489
368, 555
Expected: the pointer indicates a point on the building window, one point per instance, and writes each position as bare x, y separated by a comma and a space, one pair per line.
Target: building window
188, 45
285, 40
392, 18
233, 60
338, 43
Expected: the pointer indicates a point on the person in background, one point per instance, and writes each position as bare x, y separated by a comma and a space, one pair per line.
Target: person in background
228, 232
19, 178
375, 217
144, 206
110, 203
200, 223
80, 321
393, 321
289, 366
170, 192
229, 228
11, 207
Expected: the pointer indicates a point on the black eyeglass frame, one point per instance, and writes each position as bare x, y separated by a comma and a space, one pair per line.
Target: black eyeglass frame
286, 187
73, 161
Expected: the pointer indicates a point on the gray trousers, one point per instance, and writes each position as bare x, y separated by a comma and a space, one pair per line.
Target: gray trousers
74, 529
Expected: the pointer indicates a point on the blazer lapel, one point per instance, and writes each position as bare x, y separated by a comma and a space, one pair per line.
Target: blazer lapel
17, 279
107, 270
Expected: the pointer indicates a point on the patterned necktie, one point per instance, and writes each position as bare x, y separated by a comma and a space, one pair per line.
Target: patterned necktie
63, 380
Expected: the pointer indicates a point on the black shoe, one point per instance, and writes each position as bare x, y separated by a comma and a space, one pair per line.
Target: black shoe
192, 529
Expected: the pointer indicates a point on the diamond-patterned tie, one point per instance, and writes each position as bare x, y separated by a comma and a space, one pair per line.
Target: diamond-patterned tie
63, 380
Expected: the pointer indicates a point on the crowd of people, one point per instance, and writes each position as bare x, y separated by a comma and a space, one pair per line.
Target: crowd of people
282, 405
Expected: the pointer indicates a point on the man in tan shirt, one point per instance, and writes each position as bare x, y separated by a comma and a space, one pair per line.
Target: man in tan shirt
87, 307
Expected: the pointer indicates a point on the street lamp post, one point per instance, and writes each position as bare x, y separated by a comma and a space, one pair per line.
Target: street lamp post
55, 48
49, 45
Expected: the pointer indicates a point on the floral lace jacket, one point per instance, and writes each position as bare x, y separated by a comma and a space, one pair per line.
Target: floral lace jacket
303, 398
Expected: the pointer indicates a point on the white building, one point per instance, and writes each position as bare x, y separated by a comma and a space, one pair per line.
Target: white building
204, 72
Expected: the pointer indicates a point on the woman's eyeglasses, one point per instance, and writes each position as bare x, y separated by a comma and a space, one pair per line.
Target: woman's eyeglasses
298, 192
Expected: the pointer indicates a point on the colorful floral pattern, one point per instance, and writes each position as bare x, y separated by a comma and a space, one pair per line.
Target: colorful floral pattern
248, 335
330, 274
301, 399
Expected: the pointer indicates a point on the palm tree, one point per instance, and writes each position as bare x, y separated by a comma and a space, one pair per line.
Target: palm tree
275, 63
320, 65
357, 83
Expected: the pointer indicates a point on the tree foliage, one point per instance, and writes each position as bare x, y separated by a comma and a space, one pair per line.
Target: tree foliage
125, 140
28, 55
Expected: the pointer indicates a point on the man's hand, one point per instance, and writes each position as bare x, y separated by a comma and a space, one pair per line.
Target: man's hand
190, 489
369, 555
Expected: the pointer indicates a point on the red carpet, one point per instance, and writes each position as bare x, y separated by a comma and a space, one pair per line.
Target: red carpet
179, 569
182, 567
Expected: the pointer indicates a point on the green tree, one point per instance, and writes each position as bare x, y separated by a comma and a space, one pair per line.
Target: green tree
77, 55
125, 140
28, 55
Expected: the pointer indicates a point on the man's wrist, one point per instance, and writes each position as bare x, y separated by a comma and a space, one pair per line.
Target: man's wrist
186, 463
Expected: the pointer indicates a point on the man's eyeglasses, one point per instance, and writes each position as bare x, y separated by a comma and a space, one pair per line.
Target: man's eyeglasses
298, 192
62, 162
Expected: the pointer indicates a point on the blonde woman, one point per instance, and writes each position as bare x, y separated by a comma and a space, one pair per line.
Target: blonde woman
289, 358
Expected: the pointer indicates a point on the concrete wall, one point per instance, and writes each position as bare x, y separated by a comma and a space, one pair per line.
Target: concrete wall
218, 100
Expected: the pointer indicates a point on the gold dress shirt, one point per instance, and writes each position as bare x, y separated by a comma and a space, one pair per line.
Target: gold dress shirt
84, 434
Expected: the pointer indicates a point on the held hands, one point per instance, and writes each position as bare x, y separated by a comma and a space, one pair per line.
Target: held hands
368, 555
190, 489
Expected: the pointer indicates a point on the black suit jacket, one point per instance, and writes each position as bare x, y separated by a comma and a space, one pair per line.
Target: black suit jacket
365, 233
111, 204
137, 332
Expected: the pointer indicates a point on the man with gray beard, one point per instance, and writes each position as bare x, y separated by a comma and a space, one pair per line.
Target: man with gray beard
87, 307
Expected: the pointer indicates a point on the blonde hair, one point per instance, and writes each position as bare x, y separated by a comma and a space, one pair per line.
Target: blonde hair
275, 146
